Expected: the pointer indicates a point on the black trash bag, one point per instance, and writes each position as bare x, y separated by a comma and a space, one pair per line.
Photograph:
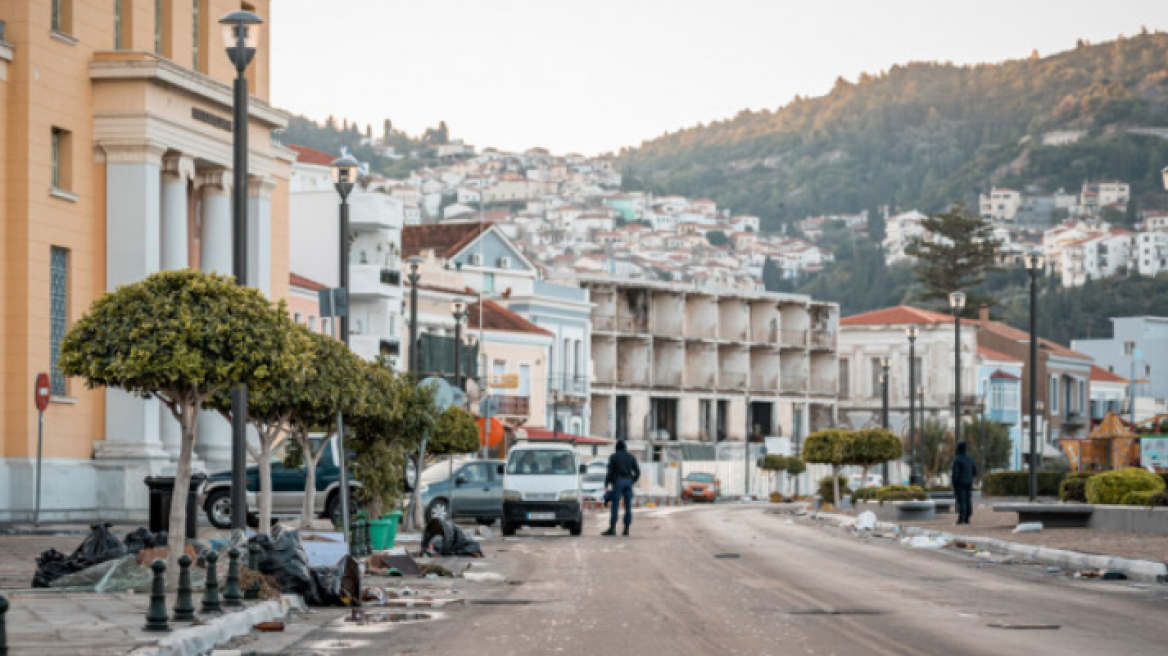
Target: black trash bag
139, 539
443, 538
282, 556
52, 565
339, 585
99, 546
160, 539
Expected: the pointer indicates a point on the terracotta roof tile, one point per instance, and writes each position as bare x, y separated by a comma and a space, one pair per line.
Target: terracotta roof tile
899, 315
445, 239
1104, 376
1003, 375
497, 317
300, 281
307, 155
996, 356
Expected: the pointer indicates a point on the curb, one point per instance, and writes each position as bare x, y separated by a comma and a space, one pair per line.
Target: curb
1148, 571
201, 639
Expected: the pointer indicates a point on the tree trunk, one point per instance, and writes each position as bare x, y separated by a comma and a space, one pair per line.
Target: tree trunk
835, 472
311, 458
864, 476
176, 535
264, 463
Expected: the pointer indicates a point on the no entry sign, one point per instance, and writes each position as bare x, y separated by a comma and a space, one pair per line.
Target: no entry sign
42, 392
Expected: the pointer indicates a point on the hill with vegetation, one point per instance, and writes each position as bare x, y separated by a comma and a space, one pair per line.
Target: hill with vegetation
330, 136
925, 135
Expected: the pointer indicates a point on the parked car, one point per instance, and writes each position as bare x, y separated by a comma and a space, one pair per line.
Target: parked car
476, 492
593, 483
287, 489
542, 487
874, 480
700, 487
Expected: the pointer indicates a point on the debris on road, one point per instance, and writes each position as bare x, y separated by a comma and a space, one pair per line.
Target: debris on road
484, 577
385, 565
273, 626
866, 521
434, 569
1029, 527
922, 542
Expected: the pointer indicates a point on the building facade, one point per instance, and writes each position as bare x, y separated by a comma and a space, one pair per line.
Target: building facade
118, 155
676, 365
1149, 337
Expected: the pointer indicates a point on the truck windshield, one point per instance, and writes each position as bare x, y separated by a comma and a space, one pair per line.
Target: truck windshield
555, 462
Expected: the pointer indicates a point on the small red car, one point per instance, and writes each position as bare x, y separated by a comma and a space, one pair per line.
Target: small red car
700, 487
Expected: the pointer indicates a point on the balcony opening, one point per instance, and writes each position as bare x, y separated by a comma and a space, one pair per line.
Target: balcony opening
761, 420
663, 418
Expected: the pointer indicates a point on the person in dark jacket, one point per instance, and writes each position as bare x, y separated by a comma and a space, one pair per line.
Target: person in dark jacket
964, 472
623, 474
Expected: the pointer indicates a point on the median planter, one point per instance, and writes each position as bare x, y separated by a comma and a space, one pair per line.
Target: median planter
900, 511
383, 532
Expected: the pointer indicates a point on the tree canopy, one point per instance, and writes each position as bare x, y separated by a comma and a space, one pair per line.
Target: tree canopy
959, 253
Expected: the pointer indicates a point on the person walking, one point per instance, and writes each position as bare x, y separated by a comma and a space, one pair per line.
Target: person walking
963, 474
623, 474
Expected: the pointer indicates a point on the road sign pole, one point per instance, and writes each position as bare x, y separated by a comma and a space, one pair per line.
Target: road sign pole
36, 515
42, 392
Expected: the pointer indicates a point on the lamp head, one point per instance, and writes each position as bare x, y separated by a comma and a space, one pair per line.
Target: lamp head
912, 332
345, 170
458, 307
414, 262
1034, 260
885, 361
241, 37
957, 300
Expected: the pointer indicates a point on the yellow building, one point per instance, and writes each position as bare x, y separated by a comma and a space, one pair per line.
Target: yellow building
117, 142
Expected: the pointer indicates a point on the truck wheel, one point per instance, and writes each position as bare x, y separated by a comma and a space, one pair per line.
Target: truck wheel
576, 528
508, 528
218, 509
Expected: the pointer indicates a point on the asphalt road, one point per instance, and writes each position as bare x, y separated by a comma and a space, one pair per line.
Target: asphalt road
793, 589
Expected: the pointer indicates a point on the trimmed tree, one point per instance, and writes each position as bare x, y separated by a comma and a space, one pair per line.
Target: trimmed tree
382, 436
270, 412
773, 464
870, 447
989, 444
828, 447
337, 385
456, 433
936, 449
180, 337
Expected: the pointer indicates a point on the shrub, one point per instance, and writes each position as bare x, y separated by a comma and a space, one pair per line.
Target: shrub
1111, 487
901, 493
1017, 484
776, 497
865, 494
1148, 499
1073, 489
825, 489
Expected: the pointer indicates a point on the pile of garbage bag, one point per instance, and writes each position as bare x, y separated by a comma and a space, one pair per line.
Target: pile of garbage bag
102, 563
282, 556
443, 538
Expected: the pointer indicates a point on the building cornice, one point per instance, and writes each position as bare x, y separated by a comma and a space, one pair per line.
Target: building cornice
123, 66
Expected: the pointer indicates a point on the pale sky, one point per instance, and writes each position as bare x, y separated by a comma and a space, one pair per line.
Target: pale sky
591, 76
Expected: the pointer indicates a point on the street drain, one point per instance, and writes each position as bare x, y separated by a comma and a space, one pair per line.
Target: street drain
834, 611
377, 617
726, 556
506, 602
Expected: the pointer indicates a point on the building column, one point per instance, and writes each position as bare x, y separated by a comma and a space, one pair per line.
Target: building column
259, 233
214, 185
177, 171
131, 449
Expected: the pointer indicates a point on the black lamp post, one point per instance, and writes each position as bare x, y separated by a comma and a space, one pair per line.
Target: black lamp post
1034, 265
413, 277
884, 364
957, 302
458, 311
345, 172
911, 332
556, 415
241, 35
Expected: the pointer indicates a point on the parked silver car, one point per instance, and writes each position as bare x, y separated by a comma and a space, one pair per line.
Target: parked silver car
474, 491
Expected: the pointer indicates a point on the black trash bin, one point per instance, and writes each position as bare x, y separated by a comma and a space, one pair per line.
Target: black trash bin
161, 491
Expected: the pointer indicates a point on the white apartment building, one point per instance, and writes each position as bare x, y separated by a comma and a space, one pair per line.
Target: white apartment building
899, 232
1001, 204
676, 365
1151, 253
868, 337
375, 271
1108, 193
1097, 257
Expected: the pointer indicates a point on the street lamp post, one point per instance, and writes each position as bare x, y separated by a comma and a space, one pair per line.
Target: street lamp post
912, 332
345, 172
957, 302
884, 364
1034, 265
241, 33
556, 415
458, 311
413, 277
